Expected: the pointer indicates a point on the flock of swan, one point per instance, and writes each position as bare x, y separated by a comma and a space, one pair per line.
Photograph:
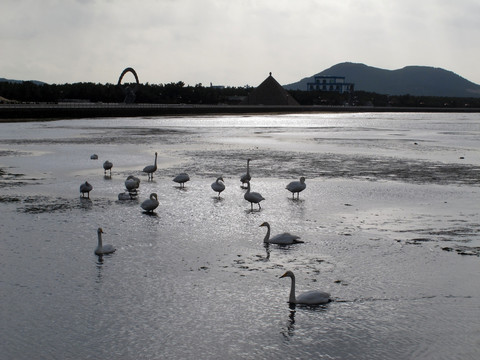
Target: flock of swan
132, 183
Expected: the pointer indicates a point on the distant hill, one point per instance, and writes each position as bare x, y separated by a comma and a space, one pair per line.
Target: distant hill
413, 80
21, 81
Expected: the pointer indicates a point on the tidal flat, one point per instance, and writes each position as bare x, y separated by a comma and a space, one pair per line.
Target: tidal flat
389, 218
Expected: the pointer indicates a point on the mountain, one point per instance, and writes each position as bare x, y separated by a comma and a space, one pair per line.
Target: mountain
413, 80
36, 82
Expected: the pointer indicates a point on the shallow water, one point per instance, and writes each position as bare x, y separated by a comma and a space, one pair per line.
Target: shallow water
390, 220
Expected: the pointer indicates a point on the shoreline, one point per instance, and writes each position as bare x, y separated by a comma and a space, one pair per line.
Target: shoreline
35, 112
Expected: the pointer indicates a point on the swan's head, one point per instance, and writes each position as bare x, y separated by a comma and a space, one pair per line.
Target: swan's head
248, 160
153, 195
302, 179
265, 224
100, 230
87, 183
156, 153
288, 274
220, 179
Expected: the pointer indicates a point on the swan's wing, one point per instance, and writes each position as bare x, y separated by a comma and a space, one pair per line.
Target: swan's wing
284, 239
313, 297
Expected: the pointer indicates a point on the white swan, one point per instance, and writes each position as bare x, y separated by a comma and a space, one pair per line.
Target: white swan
103, 249
218, 186
107, 165
312, 297
132, 183
296, 187
280, 239
150, 169
246, 177
181, 179
253, 197
150, 204
86, 188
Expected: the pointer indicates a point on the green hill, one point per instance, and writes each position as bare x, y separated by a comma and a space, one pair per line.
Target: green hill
413, 80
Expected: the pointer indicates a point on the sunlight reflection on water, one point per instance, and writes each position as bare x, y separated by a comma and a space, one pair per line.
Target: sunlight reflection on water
195, 278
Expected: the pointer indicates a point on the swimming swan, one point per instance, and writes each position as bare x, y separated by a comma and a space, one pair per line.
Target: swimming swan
218, 186
253, 197
296, 187
150, 169
103, 249
312, 297
280, 239
150, 204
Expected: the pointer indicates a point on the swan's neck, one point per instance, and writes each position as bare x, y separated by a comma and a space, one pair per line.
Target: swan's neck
155, 163
248, 167
292, 298
100, 244
248, 187
267, 236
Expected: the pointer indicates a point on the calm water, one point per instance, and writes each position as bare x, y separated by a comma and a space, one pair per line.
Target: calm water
390, 220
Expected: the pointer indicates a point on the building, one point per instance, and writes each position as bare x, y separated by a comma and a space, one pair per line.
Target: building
269, 92
330, 83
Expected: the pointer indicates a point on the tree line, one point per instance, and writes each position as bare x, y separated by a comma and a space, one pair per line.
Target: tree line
179, 93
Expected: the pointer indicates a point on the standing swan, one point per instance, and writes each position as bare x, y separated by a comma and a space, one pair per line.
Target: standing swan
246, 177
150, 169
253, 197
86, 188
280, 239
107, 165
312, 297
296, 187
181, 179
218, 186
103, 249
150, 204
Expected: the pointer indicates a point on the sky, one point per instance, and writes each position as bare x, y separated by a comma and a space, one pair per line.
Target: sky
231, 42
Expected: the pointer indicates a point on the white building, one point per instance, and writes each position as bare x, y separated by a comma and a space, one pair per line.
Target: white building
330, 83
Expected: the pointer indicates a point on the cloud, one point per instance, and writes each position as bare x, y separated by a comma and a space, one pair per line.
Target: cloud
233, 42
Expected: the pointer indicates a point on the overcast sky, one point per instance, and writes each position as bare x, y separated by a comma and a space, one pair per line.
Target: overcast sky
231, 42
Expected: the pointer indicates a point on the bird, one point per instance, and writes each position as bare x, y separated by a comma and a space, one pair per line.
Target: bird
107, 165
94, 157
103, 249
218, 186
313, 297
296, 187
132, 183
253, 197
246, 177
181, 179
86, 188
150, 204
150, 169
280, 239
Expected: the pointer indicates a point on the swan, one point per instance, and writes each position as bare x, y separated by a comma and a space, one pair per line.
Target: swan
296, 187
94, 157
253, 197
218, 186
246, 177
150, 204
103, 249
150, 169
131, 184
107, 165
280, 239
86, 188
312, 297
181, 179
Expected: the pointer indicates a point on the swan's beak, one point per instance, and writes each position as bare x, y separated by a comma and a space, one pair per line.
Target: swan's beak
283, 276
263, 224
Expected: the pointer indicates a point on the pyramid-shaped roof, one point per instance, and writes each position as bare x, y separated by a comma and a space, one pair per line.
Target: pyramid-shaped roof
269, 92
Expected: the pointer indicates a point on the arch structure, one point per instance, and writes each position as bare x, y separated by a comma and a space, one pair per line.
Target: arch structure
128, 91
